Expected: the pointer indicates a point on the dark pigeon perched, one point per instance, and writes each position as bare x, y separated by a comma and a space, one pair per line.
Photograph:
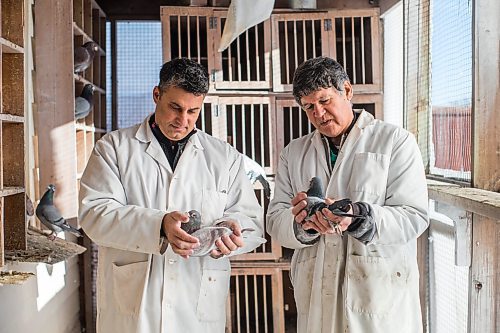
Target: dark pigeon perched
84, 102
256, 173
208, 235
50, 216
84, 55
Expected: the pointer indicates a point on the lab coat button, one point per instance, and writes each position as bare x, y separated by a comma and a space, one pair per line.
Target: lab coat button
172, 261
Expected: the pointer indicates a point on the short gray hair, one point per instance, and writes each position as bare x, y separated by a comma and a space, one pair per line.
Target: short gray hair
186, 74
317, 73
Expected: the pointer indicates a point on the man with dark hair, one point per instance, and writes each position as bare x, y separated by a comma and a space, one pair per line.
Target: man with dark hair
354, 268
135, 193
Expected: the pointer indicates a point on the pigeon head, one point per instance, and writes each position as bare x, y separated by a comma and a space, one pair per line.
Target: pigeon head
51, 188
194, 222
88, 92
315, 188
91, 46
48, 196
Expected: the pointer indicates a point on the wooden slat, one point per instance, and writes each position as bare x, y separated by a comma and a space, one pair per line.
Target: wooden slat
13, 21
482, 202
11, 190
9, 47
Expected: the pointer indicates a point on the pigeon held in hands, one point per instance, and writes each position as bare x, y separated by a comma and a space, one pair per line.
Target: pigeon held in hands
85, 102
50, 216
316, 202
84, 55
207, 236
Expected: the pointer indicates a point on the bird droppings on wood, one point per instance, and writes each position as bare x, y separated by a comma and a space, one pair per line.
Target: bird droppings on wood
14, 277
42, 250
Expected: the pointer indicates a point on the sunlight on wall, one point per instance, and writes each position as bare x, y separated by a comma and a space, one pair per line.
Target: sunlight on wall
50, 280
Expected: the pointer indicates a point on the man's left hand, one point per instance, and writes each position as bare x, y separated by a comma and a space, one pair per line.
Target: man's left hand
227, 244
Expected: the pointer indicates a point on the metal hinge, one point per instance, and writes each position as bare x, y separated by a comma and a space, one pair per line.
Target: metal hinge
328, 24
213, 74
212, 22
216, 110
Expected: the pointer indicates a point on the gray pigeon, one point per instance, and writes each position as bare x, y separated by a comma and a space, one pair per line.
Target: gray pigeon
84, 55
208, 235
316, 201
194, 222
50, 216
84, 102
256, 173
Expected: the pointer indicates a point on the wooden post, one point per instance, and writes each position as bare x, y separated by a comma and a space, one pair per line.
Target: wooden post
484, 306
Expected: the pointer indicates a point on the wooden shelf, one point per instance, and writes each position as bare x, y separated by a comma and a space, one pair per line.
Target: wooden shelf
7, 191
81, 79
9, 47
9, 118
87, 128
12, 136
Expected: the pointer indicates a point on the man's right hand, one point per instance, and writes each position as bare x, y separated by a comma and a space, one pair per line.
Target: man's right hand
181, 242
316, 223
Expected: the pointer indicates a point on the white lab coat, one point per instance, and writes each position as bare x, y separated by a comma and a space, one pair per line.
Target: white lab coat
126, 189
340, 284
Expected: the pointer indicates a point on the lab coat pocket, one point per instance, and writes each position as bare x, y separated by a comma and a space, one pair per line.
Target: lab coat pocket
368, 179
128, 286
374, 284
213, 294
213, 205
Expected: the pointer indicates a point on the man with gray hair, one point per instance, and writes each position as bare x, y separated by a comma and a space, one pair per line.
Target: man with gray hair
354, 268
136, 191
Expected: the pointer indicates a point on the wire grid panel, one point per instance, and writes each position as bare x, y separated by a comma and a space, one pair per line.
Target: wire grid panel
249, 125
138, 63
245, 64
189, 32
255, 302
451, 88
349, 36
449, 283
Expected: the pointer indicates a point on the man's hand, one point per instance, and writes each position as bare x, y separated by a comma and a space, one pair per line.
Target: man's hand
299, 203
342, 222
181, 242
227, 244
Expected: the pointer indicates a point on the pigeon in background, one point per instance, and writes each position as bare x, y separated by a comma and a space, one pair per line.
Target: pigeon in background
255, 172
84, 102
208, 235
84, 55
50, 216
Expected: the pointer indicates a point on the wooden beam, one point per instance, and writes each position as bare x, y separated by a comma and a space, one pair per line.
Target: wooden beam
54, 120
475, 200
484, 308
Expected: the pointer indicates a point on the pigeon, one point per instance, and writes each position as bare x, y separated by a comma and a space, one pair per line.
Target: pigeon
255, 172
194, 222
50, 216
316, 202
84, 102
84, 55
209, 234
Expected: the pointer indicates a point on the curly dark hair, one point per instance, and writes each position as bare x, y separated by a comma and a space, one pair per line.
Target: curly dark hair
317, 73
186, 74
